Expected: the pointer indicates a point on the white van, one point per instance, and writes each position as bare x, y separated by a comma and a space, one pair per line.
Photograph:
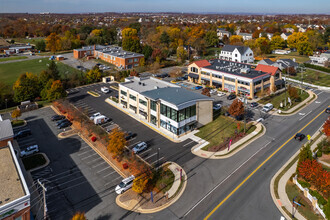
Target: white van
124, 185
267, 107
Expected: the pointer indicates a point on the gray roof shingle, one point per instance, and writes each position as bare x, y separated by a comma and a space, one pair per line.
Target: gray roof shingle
231, 48
6, 130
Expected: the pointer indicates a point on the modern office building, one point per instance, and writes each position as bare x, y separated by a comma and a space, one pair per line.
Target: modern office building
239, 78
165, 105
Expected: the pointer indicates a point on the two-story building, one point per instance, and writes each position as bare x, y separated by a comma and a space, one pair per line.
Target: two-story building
221, 32
235, 53
164, 105
239, 78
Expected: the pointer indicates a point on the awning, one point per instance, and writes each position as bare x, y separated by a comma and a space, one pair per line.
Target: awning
194, 76
206, 79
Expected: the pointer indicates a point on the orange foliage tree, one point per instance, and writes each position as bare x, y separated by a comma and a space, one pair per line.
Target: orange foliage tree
236, 108
117, 142
206, 91
79, 216
326, 127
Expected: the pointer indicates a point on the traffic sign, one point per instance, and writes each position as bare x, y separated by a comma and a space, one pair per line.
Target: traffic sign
308, 137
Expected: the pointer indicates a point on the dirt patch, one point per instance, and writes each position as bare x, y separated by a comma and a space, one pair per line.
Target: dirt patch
325, 158
225, 144
143, 200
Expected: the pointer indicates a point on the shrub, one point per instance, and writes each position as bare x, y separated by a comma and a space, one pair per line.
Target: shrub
304, 184
324, 146
320, 199
326, 209
317, 67
319, 154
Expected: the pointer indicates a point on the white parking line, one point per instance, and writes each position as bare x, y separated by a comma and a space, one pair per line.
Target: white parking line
89, 156
83, 153
156, 160
133, 144
149, 156
103, 162
104, 170
145, 151
94, 160
111, 182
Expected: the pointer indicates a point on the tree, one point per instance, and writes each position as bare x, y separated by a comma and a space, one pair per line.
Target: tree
211, 39
206, 91
53, 42
326, 127
305, 154
26, 87
131, 41
304, 48
236, 40
41, 45
277, 42
147, 51
79, 216
117, 142
140, 184
236, 108
296, 38
16, 113
164, 38
94, 75
263, 44
293, 92
56, 91
53, 71
181, 54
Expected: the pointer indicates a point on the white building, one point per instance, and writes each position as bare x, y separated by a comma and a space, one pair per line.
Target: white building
221, 32
285, 36
246, 36
237, 53
320, 59
269, 35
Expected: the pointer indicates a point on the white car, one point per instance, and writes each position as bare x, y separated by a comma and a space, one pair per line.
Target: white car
216, 106
140, 147
213, 91
267, 107
125, 185
95, 115
105, 90
221, 94
30, 150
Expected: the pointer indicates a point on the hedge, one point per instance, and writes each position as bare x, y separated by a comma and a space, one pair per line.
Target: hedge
317, 67
320, 199
304, 184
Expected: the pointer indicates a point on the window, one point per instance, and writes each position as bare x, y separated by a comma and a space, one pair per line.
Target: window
205, 73
153, 119
130, 60
187, 113
132, 97
235, 55
136, 64
174, 115
136, 59
142, 102
182, 115
194, 69
123, 92
153, 105
229, 79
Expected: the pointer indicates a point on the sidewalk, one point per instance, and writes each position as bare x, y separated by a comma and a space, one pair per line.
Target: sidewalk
145, 205
234, 148
283, 200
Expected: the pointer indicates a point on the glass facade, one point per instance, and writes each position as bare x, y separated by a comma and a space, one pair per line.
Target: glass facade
123, 92
178, 115
153, 105
142, 102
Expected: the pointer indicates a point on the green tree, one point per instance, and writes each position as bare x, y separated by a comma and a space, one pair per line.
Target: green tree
305, 153
41, 45
44, 77
211, 39
26, 87
164, 38
53, 71
94, 75
147, 51
263, 44
277, 42
56, 91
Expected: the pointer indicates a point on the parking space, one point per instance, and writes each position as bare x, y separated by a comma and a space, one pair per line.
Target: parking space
74, 168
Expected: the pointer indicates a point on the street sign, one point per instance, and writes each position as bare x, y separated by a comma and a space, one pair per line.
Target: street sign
308, 137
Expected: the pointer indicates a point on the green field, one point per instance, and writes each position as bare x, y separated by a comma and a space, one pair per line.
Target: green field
9, 72
12, 58
314, 77
299, 58
25, 40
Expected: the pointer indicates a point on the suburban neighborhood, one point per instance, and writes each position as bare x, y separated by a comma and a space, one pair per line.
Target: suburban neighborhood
151, 113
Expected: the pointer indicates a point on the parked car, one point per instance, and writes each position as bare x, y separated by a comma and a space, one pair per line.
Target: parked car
65, 124
216, 107
125, 185
57, 117
140, 147
299, 136
327, 110
221, 93
231, 96
29, 151
95, 115
267, 107
254, 104
105, 90
22, 133
213, 91
101, 119
197, 87
129, 135
61, 121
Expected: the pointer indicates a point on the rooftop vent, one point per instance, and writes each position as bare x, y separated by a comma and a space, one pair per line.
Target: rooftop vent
139, 83
156, 87
143, 84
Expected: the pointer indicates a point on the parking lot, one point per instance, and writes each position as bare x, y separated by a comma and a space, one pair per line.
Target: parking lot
160, 149
77, 178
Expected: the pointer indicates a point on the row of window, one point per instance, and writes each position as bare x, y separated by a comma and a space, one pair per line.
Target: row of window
178, 115
142, 102
243, 82
123, 92
132, 97
131, 60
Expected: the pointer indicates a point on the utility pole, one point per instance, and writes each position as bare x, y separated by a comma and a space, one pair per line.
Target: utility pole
158, 157
302, 83
6, 104
44, 190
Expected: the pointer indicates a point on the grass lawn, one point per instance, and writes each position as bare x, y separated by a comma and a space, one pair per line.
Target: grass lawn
12, 58
9, 72
299, 58
210, 52
26, 40
307, 208
17, 122
278, 98
166, 180
33, 161
314, 77
217, 131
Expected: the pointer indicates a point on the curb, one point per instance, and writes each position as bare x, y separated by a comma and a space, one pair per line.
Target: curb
172, 201
60, 135
42, 166
230, 153
90, 93
21, 126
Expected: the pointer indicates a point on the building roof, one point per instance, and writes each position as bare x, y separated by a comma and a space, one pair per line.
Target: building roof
287, 34
231, 48
267, 69
6, 130
3, 42
176, 96
202, 63
145, 84
268, 61
11, 187
119, 52
288, 62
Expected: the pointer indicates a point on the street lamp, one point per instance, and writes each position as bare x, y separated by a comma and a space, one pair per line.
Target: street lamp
158, 157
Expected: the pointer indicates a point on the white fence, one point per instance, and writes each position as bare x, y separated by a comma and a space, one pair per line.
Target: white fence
308, 84
310, 197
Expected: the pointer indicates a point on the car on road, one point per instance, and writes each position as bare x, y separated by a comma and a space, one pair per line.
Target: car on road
327, 110
267, 107
57, 117
105, 90
29, 151
254, 104
23, 133
61, 121
216, 107
140, 147
129, 135
64, 124
231, 96
197, 87
125, 185
95, 115
299, 136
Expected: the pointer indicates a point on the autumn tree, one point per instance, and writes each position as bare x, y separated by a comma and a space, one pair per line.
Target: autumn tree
236, 108
56, 91
53, 42
16, 113
181, 54
117, 142
326, 127
277, 42
26, 87
79, 216
140, 183
211, 39
206, 91
131, 41
263, 44
236, 40
94, 75
293, 92
164, 38
305, 154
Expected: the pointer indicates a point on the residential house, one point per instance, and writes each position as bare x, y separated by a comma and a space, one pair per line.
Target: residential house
221, 32
320, 59
269, 35
285, 36
246, 36
282, 64
237, 53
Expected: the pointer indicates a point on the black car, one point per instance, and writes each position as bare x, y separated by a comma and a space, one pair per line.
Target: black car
327, 110
64, 124
231, 97
129, 135
254, 104
61, 121
23, 133
299, 136
57, 117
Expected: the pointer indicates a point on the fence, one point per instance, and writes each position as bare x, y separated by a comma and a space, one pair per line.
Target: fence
308, 84
310, 197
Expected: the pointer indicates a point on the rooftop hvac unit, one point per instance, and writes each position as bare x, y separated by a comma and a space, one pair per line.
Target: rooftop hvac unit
143, 84
139, 83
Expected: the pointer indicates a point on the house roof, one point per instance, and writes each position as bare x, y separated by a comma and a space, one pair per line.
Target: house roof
202, 63
268, 69
6, 130
231, 48
268, 61
3, 42
287, 34
288, 62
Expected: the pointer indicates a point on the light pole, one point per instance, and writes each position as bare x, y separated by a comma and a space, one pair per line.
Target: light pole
6, 103
158, 157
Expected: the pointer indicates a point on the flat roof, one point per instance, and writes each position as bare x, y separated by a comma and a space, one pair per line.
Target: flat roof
6, 130
176, 96
119, 52
11, 187
146, 84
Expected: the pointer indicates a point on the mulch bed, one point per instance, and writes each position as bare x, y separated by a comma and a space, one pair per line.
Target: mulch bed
224, 145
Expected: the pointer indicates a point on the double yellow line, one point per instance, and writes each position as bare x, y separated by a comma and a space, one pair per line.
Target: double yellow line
251, 174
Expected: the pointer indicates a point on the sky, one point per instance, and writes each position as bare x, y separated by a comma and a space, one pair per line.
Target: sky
186, 6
